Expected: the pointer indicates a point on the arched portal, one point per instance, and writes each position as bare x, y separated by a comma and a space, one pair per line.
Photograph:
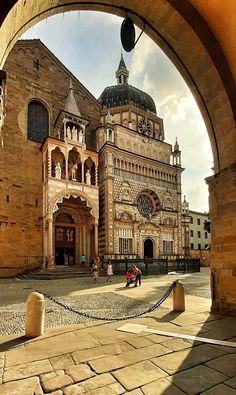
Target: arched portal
197, 37
148, 248
71, 228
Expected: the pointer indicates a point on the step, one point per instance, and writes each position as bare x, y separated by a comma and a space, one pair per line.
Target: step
57, 273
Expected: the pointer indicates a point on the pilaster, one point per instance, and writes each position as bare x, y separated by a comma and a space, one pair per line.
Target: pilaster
222, 205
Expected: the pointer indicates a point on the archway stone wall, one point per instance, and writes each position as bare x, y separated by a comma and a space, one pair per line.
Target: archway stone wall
190, 49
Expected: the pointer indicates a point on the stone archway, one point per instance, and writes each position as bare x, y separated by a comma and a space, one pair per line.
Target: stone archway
183, 34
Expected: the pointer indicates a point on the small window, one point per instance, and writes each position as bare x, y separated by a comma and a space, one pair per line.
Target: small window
198, 221
191, 220
192, 246
8, 199
36, 202
125, 245
199, 234
206, 235
206, 245
199, 246
191, 233
167, 247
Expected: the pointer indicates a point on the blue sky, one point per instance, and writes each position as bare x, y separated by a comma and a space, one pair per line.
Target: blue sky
88, 44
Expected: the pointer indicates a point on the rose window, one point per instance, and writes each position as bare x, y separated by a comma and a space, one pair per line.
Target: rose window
148, 203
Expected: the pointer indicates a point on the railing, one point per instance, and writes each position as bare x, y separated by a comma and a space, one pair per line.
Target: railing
150, 266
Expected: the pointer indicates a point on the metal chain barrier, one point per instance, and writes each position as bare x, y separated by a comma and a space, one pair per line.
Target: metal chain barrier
94, 317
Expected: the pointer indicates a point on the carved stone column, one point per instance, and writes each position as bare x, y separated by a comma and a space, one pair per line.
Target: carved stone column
51, 258
96, 176
96, 239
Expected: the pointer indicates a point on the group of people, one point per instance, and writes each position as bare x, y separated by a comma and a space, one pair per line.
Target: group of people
133, 276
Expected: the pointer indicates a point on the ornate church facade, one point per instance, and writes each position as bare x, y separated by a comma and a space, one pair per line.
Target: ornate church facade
81, 176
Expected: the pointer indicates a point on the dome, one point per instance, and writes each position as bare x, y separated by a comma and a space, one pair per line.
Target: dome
120, 95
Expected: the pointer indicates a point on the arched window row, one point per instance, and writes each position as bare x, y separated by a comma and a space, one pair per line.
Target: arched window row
71, 168
131, 167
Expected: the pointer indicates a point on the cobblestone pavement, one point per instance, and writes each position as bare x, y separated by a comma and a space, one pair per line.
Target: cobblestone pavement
102, 299
162, 353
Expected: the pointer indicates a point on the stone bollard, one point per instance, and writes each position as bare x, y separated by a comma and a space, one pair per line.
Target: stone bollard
35, 309
178, 297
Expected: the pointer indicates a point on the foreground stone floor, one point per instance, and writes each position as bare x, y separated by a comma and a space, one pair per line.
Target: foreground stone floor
96, 358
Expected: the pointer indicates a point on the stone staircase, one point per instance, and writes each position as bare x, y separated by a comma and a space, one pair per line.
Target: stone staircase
60, 272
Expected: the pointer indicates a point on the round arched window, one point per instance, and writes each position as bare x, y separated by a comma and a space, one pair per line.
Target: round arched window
37, 121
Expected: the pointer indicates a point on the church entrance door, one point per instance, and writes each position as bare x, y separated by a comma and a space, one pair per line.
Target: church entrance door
65, 245
148, 248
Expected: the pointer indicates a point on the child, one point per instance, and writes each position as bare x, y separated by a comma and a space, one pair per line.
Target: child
130, 277
109, 271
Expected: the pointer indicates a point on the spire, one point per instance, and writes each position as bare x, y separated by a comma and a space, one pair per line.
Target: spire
176, 146
176, 154
185, 206
71, 105
122, 73
122, 62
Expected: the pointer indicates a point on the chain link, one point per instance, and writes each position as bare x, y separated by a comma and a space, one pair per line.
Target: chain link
94, 317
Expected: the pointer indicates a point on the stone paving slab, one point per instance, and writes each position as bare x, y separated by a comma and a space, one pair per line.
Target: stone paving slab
186, 359
94, 384
28, 386
197, 379
80, 372
137, 375
101, 351
62, 362
177, 344
231, 382
220, 389
161, 386
50, 347
27, 370
158, 338
139, 342
115, 362
225, 364
56, 383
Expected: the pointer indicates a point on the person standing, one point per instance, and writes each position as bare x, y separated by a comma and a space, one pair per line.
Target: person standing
83, 260
91, 263
109, 271
66, 259
138, 274
95, 271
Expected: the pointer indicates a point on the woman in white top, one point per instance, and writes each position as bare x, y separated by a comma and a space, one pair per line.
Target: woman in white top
109, 271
